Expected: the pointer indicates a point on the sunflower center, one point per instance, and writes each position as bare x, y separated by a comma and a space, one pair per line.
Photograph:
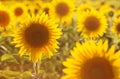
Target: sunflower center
92, 23
103, 3
18, 11
118, 27
4, 18
36, 35
36, 11
87, 9
46, 10
97, 68
118, 16
62, 9
112, 6
111, 13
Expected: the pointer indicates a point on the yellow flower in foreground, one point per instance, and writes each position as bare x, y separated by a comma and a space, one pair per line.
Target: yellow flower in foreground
92, 24
38, 36
92, 60
116, 27
62, 11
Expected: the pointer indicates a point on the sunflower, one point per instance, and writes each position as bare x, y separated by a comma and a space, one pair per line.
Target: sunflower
29, 6
116, 27
83, 8
108, 9
92, 60
62, 11
94, 4
20, 11
34, 7
117, 14
38, 36
103, 6
111, 13
38, 3
46, 7
76, 2
92, 24
6, 18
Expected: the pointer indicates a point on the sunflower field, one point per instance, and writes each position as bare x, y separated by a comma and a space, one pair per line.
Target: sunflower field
59, 39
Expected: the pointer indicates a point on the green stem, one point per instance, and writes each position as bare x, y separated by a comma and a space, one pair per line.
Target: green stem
115, 41
36, 67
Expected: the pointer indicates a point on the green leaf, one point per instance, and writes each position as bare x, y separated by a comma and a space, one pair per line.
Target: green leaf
9, 58
26, 75
12, 73
6, 57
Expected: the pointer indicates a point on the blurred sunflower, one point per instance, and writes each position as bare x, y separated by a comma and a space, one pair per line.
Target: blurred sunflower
76, 2
92, 24
116, 27
46, 7
111, 13
37, 7
37, 37
92, 60
38, 3
95, 4
6, 18
118, 14
33, 8
103, 6
108, 9
62, 11
83, 8
29, 7
20, 11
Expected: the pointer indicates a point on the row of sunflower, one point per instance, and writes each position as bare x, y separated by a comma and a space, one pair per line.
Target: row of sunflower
38, 29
